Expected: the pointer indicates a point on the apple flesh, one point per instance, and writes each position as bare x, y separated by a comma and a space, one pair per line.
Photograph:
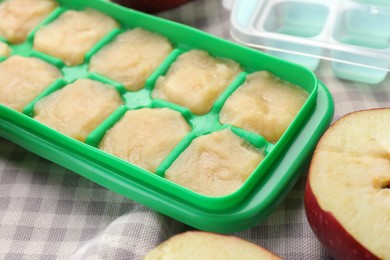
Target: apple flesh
333, 236
194, 245
347, 196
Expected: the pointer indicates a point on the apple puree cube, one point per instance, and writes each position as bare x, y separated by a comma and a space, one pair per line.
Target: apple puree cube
195, 80
4, 49
146, 136
264, 104
23, 79
73, 34
19, 17
78, 108
216, 164
131, 57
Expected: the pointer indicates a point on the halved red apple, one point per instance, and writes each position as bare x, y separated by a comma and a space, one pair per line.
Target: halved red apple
347, 197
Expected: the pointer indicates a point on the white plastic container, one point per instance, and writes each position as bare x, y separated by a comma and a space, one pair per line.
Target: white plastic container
353, 34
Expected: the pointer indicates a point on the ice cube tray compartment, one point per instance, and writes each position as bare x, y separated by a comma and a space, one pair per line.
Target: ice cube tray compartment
259, 195
352, 34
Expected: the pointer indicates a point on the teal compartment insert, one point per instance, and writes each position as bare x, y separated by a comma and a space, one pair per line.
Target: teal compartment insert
260, 194
352, 34
244, 12
365, 28
299, 19
303, 19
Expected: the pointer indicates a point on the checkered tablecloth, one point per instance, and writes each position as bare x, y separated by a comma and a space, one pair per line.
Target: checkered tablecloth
48, 212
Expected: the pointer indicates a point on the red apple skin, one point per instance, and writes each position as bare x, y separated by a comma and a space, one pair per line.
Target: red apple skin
330, 232
151, 6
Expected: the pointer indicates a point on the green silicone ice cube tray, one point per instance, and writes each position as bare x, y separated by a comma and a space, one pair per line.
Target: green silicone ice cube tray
263, 190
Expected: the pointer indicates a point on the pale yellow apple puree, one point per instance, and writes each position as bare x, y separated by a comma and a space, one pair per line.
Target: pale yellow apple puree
264, 104
4, 49
23, 79
131, 57
73, 34
19, 17
195, 80
145, 136
216, 164
78, 108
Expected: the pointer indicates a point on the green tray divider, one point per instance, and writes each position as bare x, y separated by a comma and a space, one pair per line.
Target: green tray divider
119, 87
50, 18
73, 73
22, 49
164, 103
163, 68
103, 42
95, 137
56, 85
172, 156
138, 99
236, 83
254, 139
205, 124
48, 58
269, 148
74, 5
260, 144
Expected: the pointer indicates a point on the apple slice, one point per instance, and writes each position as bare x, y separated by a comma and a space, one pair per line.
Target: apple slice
347, 196
203, 245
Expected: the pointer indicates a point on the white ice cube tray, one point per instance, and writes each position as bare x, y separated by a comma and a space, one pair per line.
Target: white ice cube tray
353, 34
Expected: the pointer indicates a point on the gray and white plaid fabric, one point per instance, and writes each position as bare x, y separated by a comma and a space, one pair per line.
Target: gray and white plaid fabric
48, 212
